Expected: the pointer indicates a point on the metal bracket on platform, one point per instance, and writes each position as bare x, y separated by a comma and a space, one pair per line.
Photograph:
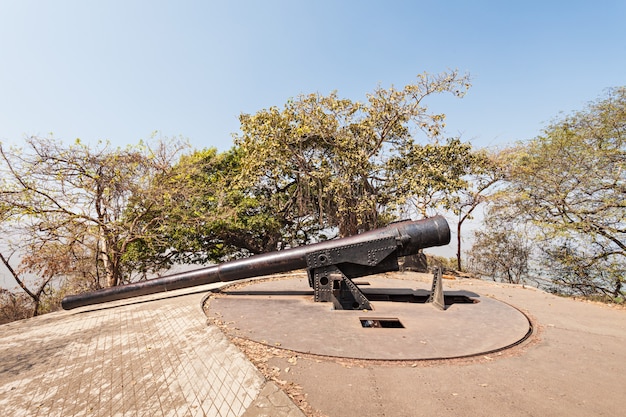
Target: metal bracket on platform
436, 292
331, 271
330, 284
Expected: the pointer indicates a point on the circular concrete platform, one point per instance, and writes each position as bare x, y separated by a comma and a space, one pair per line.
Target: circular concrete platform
281, 312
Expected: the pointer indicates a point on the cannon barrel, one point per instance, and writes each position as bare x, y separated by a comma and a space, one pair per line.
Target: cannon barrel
410, 236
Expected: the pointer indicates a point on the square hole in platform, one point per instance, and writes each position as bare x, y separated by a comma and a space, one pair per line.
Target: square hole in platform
383, 323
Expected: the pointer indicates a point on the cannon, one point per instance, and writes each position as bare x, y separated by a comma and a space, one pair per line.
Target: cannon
331, 265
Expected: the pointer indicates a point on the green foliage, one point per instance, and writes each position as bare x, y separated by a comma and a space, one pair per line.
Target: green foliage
429, 176
351, 165
574, 272
209, 215
570, 185
442, 261
75, 209
14, 306
501, 250
488, 172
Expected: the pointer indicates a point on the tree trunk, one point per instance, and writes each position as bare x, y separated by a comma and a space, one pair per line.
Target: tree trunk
458, 247
112, 278
33, 296
617, 292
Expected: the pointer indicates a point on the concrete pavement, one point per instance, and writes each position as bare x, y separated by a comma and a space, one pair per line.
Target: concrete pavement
155, 356
574, 365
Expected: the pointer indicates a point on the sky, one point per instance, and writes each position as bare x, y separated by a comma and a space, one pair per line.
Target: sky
129, 70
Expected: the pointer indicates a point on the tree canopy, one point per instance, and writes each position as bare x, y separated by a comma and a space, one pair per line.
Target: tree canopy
207, 215
75, 210
352, 165
570, 185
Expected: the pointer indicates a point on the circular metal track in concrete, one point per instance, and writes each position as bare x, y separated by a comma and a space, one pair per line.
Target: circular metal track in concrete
281, 312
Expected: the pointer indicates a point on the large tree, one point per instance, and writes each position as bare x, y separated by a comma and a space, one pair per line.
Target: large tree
76, 209
353, 165
570, 185
209, 216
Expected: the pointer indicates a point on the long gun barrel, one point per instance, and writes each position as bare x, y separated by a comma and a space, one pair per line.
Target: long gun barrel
397, 239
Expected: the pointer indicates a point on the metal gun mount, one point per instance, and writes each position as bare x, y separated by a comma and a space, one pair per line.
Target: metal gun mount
331, 271
331, 266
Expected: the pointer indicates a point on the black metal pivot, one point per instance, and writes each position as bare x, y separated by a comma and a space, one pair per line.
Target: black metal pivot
331, 271
331, 285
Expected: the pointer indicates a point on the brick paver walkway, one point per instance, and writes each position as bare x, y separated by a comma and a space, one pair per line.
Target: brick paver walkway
142, 358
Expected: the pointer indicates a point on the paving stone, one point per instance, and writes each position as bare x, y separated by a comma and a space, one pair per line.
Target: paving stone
154, 357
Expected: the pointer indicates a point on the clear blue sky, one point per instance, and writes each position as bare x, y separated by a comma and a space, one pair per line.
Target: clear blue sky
119, 70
